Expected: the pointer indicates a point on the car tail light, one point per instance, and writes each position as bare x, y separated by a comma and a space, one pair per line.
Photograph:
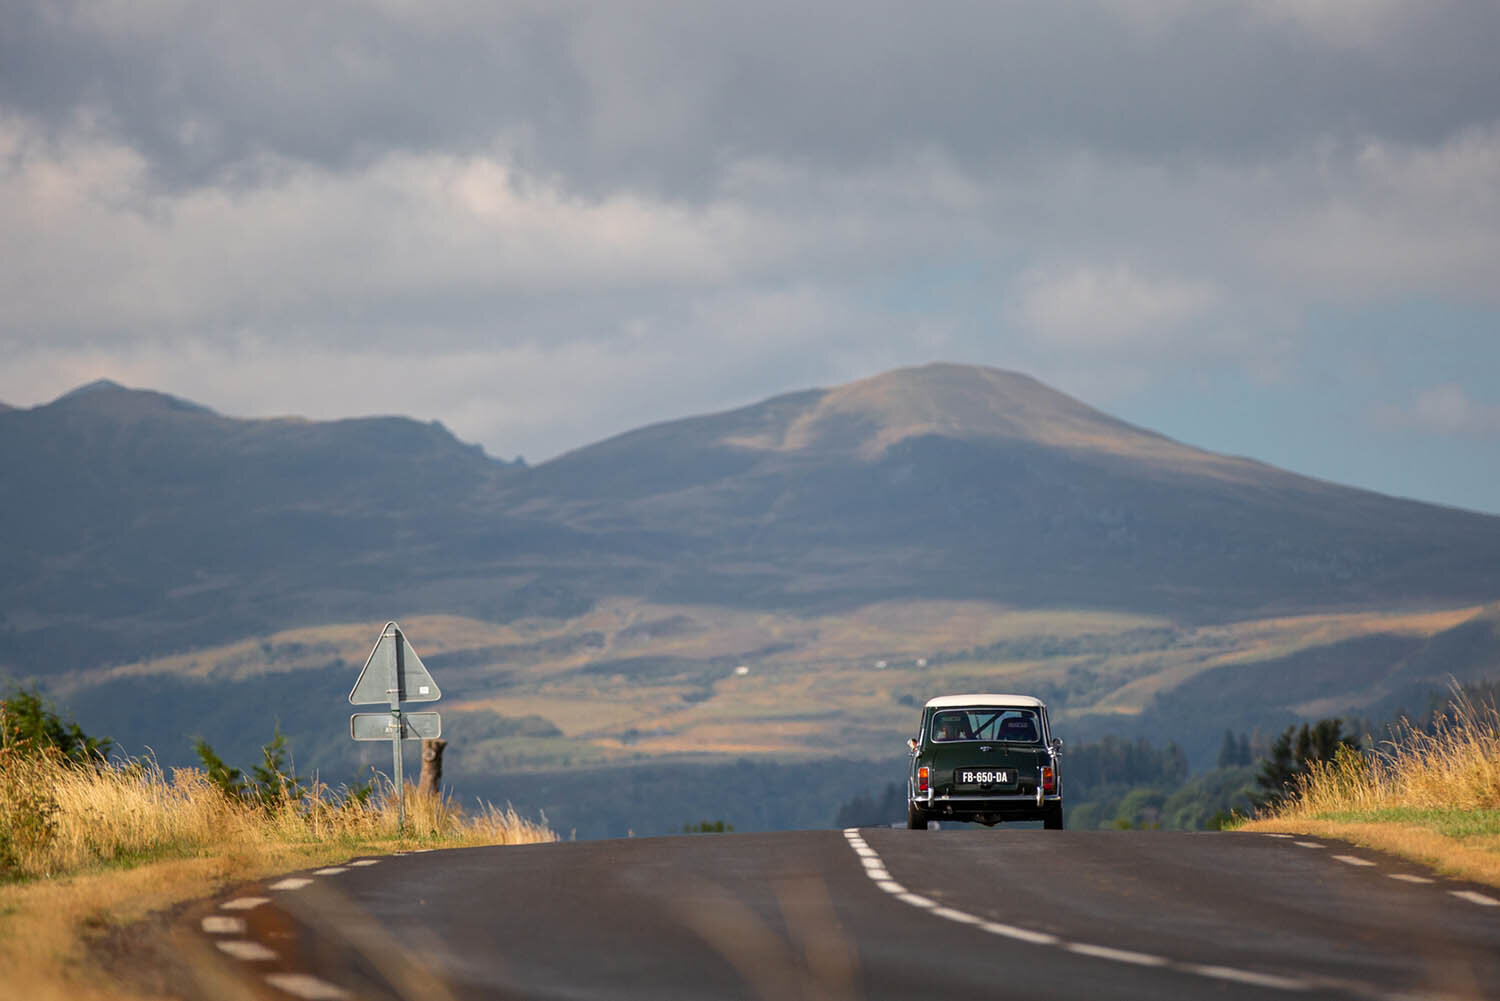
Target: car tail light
1049, 779
923, 775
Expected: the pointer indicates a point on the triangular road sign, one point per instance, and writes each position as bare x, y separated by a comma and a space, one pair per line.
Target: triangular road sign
394, 673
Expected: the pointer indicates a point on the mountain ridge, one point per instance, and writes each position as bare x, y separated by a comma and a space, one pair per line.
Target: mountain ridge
149, 524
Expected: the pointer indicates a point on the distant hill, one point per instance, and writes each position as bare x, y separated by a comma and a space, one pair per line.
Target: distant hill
140, 524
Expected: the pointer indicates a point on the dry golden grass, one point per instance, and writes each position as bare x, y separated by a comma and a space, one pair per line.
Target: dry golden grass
1430, 796
87, 849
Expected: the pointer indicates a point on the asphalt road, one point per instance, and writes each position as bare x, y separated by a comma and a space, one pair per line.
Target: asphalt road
870, 915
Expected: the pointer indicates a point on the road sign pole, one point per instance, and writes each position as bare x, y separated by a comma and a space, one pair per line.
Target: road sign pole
394, 692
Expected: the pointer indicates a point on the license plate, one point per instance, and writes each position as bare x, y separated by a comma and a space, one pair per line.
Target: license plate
984, 776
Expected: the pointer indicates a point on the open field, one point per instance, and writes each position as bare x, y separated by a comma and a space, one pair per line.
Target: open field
630, 681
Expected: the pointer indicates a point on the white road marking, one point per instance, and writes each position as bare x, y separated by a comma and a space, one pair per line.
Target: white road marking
1251, 977
243, 903
1024, 934
290, 883
1475, 898
1307, 844
959, 916
366, 861
875, 868
218, 924
1118, 955
1353, 860
306, 986
246, 950
332, 870
1407, 877
1270, 836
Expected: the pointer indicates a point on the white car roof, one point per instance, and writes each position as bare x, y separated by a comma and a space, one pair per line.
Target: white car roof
951, 701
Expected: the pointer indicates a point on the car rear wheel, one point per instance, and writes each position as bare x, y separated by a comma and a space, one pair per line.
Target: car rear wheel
1052, 819
916, 820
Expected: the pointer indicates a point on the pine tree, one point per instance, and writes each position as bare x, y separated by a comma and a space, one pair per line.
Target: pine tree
1292, 751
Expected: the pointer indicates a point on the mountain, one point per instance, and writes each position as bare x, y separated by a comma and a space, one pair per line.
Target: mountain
959, 482
144, 524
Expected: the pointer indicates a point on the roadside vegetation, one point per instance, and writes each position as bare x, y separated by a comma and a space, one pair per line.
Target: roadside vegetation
1430, 792
89, 843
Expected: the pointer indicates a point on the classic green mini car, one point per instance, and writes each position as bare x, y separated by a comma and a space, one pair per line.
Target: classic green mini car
984, 759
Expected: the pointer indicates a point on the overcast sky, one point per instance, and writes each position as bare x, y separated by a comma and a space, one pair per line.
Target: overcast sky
1270, 228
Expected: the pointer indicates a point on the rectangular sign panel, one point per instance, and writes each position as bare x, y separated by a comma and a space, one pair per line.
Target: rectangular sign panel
382, 726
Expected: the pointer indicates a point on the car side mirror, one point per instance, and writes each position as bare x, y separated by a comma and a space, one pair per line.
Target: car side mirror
1056, 745
911, 742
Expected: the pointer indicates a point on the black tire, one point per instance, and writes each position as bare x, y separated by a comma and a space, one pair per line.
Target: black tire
916, 820
1052, 820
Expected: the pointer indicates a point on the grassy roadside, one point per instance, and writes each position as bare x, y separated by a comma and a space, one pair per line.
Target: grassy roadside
86, 851
1430, 795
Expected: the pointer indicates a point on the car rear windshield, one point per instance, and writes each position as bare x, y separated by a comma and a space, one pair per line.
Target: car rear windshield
1017, 726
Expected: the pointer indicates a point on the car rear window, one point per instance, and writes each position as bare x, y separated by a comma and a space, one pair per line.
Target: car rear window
1016, 726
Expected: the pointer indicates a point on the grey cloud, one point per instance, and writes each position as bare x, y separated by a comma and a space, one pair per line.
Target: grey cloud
662, 95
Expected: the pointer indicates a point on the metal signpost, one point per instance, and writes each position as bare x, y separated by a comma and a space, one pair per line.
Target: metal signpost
395, 674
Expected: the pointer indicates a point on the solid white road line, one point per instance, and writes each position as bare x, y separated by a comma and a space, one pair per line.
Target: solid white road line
1353, 860
246, 950
219, 924
290, 883
1475, 898
1407, 877
243, 903
306, 986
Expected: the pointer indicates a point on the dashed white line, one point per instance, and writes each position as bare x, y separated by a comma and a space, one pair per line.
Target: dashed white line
926, 903
219, 924
1475, 898
366, 861
332, 870
874, 867
959, 916
1251, 977
1021, 934
1353, 860
306, 986
1308, 844
1118, 955
243, 903
246, 950
1275, 836
1407, 877
290, 883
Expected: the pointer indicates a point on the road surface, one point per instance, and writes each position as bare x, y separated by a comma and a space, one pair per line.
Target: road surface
872, 914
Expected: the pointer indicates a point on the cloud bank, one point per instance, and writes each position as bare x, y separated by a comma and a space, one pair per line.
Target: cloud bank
543, 222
